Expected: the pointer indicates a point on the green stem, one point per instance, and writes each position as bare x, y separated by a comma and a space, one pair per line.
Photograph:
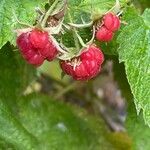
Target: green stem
86, 25
74, 34
48, 13
66, 90
80, 40
22, 23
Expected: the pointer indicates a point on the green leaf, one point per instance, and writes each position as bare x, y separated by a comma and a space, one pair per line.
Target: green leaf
134, 50
138, 132
15, 74
58, 126
88, 9
24, 11
146, 16
36, 121
97, 8
12, 131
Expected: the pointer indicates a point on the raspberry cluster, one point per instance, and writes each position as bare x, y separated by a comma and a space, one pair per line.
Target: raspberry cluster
36, 46
86, 66
110, 24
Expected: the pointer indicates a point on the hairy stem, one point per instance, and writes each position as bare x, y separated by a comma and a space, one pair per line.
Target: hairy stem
48, 13
74, 34
86, 25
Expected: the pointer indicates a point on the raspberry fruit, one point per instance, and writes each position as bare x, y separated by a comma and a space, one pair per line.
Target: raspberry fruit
36, 60
86, 66
111, 22
23, 42
35, 47
103, 34
27, 50
49, 51
38, 38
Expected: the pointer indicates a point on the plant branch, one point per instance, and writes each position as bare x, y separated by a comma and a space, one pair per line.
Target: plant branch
66, 90
86, 25
74, 34
48, 13
22, 23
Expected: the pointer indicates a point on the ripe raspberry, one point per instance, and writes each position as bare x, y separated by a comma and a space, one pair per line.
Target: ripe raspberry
49, 51
39, 38
91, 53
36, 60
67, 67
27, 50
111, 22
86, 66
23, 42
35, 47
103, 34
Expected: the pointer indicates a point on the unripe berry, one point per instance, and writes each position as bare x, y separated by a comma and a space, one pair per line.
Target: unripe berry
86, 66
111, 22
103, 34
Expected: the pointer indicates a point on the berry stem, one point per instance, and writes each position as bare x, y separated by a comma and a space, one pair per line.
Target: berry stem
48, 13
93, 36
66, 90
57, 45
74, 34
116, 8
80, 40
22, 23
86, 25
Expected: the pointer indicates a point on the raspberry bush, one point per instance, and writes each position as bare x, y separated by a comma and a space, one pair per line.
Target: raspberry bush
92, 54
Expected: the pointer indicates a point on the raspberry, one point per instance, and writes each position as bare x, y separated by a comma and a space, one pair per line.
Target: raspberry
23, 42
67, 67
93, 53
39, 38
49, 51
35, 47
86, 66
111, 22
103, 34
36, 60
27, 50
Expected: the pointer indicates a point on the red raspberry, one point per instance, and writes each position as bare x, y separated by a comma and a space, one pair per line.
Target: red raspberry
67, 67
88, 65
103, 34
39, 38
30, 53
93, 53
35, 46
49, 51
36, 60
24, 43
111, 22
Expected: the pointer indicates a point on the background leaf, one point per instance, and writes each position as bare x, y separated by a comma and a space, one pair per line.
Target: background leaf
38, 122
15, 73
